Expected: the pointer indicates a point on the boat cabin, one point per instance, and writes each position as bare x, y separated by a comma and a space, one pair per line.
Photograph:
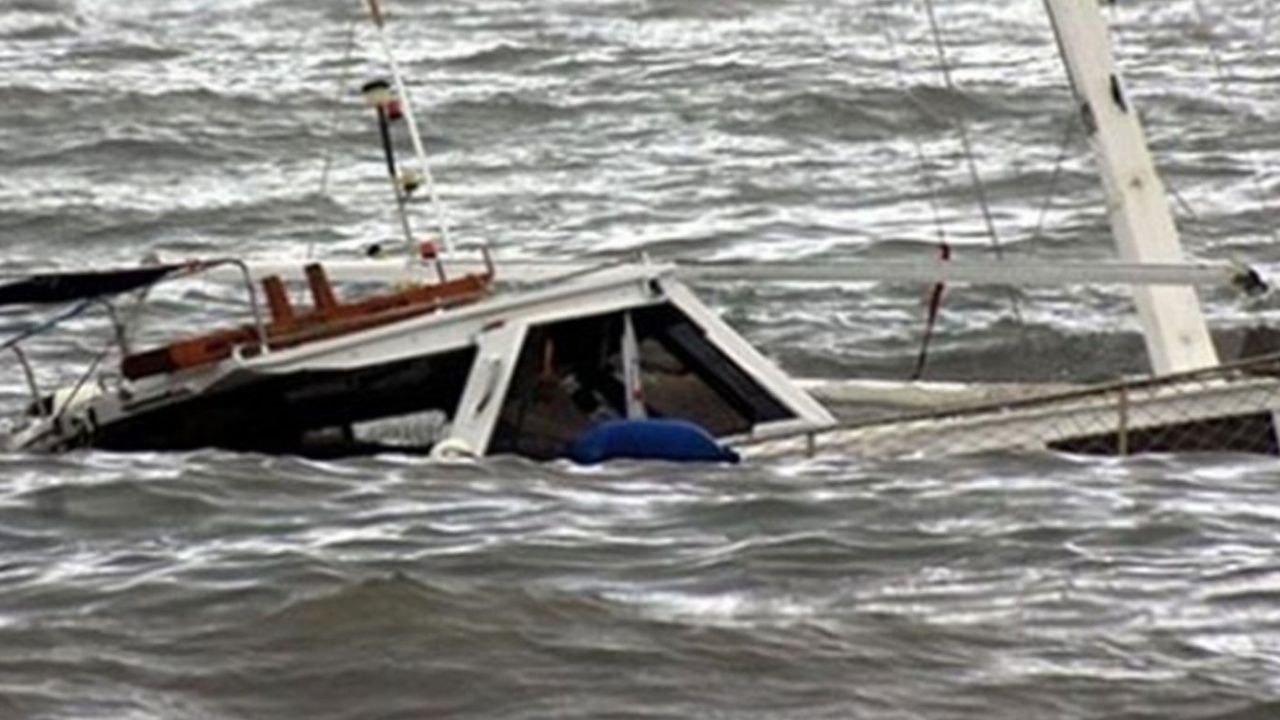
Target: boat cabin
523, 369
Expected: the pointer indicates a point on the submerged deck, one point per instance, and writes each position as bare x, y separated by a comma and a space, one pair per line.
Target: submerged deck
1229, 408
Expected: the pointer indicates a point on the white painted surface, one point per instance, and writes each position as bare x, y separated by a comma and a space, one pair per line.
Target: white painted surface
491, 375
1173, 323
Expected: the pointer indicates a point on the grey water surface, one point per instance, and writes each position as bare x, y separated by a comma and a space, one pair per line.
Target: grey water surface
228, 587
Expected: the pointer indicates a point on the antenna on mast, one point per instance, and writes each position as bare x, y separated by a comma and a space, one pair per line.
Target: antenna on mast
406, 111
383, 100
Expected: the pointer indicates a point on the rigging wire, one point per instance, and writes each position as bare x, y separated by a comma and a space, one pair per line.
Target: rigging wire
922, 162
1183, 210
936, 294
1185, 207
1069, 127
1224, 82
980, 188
343, 81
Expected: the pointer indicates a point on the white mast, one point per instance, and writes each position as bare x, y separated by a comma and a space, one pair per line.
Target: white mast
1176, 334
419, 150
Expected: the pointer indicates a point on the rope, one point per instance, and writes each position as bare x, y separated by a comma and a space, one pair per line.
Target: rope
931, 322
1224, 81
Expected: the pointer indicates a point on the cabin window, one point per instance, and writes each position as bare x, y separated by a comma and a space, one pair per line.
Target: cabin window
569, 377
402, 406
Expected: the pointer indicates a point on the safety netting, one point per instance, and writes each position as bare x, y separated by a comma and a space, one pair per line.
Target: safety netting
1229, 408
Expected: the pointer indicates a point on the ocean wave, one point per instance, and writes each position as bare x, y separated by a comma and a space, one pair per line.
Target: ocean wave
504, 107
36, 22
505, 56
219, 586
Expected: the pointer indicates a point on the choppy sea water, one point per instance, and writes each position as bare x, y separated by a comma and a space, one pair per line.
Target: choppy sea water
218, 586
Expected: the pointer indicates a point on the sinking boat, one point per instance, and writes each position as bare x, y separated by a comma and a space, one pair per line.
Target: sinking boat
457, 367
470, 357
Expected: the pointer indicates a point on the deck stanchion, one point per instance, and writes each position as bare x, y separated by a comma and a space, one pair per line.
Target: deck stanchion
30, 377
